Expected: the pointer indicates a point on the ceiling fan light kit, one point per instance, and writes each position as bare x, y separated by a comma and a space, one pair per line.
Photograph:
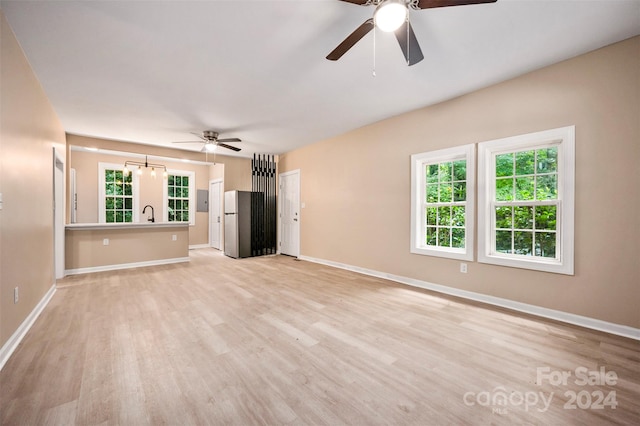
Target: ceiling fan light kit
210, 141
390, 15
393, 16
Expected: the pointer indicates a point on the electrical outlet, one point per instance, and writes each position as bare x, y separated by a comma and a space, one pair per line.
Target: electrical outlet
15, 295
463, 268
174, 237
105, 242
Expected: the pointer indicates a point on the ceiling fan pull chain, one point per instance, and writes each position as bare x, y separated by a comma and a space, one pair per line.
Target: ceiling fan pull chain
374, 52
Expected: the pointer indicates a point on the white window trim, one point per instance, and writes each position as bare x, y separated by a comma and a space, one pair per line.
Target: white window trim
101, 193
418, 161
192, 195
564, 137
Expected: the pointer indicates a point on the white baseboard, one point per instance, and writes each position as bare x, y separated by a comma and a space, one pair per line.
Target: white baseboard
587, 322
125, 266
10, 346
199, 246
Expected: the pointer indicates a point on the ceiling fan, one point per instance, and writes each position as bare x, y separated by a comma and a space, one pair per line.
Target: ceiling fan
211, 141
393, 16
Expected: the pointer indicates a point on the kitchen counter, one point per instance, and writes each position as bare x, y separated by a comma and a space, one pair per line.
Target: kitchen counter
94, 247
128, 225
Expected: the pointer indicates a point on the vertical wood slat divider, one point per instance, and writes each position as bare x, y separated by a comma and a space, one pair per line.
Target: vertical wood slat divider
263, 205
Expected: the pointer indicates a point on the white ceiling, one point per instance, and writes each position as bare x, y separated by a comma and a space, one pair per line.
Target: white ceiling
154, 71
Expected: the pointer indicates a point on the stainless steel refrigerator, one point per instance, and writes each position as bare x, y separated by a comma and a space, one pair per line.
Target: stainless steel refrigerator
237, 223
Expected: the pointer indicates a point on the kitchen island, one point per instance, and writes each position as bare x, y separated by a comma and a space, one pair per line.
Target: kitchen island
94, 247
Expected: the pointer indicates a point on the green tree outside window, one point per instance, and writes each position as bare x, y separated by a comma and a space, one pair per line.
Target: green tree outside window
526, 190
178, 198
118, 196
446, 195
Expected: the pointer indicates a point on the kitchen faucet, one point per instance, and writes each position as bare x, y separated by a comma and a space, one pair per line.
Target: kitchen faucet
152, 218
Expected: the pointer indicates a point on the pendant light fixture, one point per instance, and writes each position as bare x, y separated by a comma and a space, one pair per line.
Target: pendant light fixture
146, 164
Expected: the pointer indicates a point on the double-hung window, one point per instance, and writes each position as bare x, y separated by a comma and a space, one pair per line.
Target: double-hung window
442, 202
179, 193
117, 195
526, 201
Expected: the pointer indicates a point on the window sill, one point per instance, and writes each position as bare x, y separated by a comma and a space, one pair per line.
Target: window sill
444, 252
551, 265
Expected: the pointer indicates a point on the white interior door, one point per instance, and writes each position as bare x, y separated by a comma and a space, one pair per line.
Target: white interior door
290, 213
215, 214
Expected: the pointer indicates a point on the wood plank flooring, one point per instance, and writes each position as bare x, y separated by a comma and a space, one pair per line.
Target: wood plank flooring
275, 341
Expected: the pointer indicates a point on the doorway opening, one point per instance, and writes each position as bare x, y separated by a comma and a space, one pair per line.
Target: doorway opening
58, 215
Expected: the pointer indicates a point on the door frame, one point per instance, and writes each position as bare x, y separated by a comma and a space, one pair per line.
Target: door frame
58, 215
295, 172
220, 214
73, 196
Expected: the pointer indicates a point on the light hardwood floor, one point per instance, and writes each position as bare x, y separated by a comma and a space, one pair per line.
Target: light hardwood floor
274, 341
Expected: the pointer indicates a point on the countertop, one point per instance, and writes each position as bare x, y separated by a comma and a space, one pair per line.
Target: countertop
128, 225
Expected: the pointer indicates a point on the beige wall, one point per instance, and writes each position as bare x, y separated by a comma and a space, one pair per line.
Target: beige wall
150, 189
237, 170
236, 173
356, 186
85, 248
216, 172
29, 130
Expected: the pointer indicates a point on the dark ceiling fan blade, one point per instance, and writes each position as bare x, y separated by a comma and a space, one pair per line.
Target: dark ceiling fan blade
229, 140
430, 4
232, 148
360, 2
352, 39
409, 44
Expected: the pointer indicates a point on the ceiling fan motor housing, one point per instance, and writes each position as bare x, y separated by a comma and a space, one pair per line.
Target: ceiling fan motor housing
210, 135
